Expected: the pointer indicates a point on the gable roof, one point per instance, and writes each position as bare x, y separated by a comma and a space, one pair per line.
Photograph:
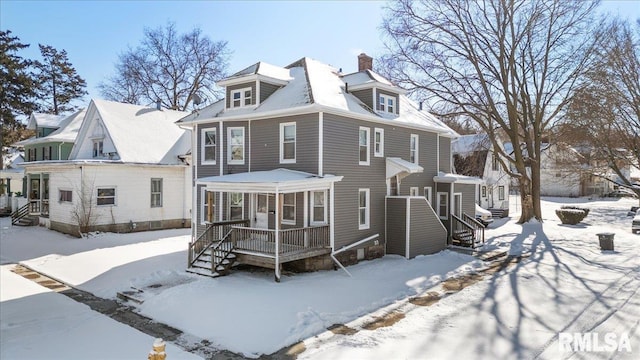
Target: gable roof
469, 143
315, 86
67, 132
139, 134
37, 120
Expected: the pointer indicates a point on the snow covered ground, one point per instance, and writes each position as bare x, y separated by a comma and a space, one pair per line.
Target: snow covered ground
566, 285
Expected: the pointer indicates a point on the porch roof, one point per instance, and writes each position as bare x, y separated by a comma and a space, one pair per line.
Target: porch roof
271, 181
403, 168
456, 178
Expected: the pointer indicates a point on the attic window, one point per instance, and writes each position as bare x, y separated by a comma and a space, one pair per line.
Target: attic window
241, 97
98, 147
387, 103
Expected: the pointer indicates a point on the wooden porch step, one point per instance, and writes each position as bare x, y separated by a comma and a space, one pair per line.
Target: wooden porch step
499, 213
203, 272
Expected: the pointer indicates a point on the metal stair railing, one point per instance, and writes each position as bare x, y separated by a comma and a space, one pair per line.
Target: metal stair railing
19, 214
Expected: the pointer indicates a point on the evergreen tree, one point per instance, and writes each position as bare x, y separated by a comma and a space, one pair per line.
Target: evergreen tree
17, 90
58, 82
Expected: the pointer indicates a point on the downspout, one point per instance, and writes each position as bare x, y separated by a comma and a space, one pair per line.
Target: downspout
277, 259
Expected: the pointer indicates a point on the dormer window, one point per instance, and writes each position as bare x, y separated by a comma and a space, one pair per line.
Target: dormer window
387, 103
240, 97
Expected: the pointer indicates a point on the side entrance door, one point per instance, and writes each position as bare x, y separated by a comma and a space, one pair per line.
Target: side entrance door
262, 211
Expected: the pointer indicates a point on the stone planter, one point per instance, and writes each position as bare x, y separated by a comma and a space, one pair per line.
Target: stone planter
606, 241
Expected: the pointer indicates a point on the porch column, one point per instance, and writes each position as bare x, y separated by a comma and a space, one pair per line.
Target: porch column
277, 259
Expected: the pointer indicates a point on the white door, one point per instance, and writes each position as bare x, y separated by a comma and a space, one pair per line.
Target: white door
457, 204
262, 211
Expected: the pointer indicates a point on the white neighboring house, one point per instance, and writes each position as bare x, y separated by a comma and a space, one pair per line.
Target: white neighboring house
473, 155
128, 171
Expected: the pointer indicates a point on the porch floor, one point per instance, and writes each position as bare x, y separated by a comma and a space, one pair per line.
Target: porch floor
266, 251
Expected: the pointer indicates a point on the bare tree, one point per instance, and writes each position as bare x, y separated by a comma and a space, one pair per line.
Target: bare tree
83, 210
510, 65
604, 113
170, 67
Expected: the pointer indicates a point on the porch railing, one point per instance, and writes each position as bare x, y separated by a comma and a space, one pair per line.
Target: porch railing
290, 240
213, 233
20, 213
466, 231
34, 206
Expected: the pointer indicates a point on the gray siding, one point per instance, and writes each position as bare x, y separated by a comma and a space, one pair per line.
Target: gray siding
445, 154
366, 96
341, 158
427, 235
265, 143
396, 226
266, 90
251, 84
468, 197
387, 93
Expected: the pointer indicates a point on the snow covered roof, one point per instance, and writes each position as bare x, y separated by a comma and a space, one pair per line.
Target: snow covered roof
278, 180
260, 68
469, 143
67, 132
139, 134
455, 178
315, 86
37, 120
365, 77
396, 165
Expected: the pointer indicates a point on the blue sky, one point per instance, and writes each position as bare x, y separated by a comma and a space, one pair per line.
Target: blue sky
277, 32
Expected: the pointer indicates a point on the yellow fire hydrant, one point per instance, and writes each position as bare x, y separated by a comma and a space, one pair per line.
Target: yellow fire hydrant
158, 350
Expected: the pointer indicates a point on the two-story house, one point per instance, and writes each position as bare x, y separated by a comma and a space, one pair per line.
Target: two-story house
305, 166
474, 155
128, 170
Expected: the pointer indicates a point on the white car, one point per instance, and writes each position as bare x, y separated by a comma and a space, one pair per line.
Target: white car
484, 216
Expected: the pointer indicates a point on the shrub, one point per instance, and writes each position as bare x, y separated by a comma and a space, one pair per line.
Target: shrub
571, 216
586, 210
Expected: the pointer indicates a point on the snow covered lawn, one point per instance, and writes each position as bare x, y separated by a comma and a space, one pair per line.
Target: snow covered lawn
566, 285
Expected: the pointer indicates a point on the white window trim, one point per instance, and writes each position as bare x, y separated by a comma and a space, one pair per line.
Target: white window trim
229, 145
381, 152
414, 191
459, 197
295, 143
65, 201
229, 205
289, 221
202, 145
446, 203
312, 202
367, 208
368, 137
428, 192
151, 193
416, 159
99, 153
501, 193
203, 212
115, 195
242, 97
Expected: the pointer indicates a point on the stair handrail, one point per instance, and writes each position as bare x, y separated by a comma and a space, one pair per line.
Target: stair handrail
224, 253
20, 213
474, 225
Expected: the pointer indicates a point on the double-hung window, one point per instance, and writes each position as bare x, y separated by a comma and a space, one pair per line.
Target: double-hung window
318, 207
208, 142
500, 192
443, 205
413, 149
387, 103
378, 142
363, 145
156, 193
236, 146
240, 97
364, 209
106, 196
289, 209
288, 143
414, 191
236, 206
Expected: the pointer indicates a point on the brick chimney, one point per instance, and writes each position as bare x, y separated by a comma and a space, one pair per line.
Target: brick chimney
365, 62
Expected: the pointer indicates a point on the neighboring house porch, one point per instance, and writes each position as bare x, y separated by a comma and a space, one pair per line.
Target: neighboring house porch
289, 219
